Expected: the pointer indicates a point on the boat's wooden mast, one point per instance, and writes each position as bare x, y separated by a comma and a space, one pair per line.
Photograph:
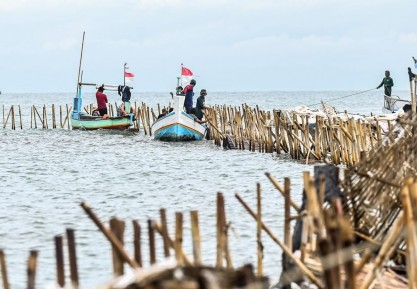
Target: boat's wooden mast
79, 67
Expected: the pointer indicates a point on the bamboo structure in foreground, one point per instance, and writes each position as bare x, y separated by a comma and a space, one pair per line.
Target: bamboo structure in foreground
326, 249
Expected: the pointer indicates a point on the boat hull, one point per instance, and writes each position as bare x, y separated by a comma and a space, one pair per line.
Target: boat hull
93, 123
178, 127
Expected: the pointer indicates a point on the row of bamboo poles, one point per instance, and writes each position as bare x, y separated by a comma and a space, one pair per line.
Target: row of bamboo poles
59, 116
303, 137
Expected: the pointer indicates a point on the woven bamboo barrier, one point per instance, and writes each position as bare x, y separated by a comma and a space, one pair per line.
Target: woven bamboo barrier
337, 140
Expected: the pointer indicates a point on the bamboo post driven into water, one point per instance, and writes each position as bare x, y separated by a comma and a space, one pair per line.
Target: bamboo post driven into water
259, 230
59, 255
220, 230
117, 227
20, 117
172, 244
178, 238
164, 225
31, 269
195, 232
287, 220
137, 243
110, 236
3, 267
72, 256
152, 250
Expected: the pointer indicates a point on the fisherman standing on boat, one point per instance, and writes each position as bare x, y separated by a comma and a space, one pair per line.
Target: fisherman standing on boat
201, 104
188, 91
388, 83
102, 102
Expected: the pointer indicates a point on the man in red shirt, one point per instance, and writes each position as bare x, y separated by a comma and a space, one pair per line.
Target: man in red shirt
101, 101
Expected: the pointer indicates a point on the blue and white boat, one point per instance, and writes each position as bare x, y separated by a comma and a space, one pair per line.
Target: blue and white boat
177, 125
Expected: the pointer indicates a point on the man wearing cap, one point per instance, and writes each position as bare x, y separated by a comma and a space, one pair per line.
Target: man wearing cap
201, 100
387, 82
101, 101
188, 91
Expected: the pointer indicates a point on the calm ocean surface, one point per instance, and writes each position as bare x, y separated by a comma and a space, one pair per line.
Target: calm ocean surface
45, 174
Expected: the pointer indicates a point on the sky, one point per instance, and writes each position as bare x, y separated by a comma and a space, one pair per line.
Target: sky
230, 45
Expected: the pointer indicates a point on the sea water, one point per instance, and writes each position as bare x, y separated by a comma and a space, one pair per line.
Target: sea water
46, 174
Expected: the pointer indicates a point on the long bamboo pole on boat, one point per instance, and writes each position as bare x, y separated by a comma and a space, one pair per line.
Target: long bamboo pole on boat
79, 67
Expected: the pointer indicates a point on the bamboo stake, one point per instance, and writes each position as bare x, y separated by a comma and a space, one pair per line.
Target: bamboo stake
72, 256
5, 279
151, 235
53, 116
5, 122
110, 236
178, 238
59, 254
287, 213
286, 250
196, 238
220, 231
117, 227
31, 269
13, 122
164, 232
60, 116
259, 230
172, 244
137, 243
20, 117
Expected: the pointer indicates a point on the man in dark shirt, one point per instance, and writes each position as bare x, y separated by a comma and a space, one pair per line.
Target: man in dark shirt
101, 101
188, 91
201, 104
388, 83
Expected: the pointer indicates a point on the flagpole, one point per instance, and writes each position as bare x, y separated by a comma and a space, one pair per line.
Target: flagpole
181, 75
124, 74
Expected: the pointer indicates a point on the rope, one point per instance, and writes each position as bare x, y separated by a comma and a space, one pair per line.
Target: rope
342, 97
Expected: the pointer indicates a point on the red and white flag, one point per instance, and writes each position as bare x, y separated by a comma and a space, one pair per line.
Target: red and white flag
186, 76
129, 76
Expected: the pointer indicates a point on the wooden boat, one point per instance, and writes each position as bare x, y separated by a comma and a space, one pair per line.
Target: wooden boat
393, 103
83, 120
177, 125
